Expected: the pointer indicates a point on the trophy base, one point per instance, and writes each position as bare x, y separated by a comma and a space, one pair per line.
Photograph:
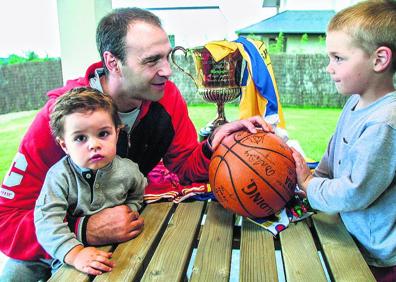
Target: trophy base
206, 131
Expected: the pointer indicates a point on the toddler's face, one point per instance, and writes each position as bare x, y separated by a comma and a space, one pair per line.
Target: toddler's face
350, 67
90, 138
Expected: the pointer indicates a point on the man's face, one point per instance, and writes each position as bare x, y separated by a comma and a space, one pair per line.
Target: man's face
147, 68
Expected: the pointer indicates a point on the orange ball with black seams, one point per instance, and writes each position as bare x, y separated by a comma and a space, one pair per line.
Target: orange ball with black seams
253, 174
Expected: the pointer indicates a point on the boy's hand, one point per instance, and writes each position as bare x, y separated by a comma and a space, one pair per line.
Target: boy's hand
90, 260
304, 175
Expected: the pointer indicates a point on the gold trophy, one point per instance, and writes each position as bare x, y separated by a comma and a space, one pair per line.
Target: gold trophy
217, 82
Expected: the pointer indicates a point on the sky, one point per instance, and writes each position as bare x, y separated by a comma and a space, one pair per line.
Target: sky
29, 25
32, 25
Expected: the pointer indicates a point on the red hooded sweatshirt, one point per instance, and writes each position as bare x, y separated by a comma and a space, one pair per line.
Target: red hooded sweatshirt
162, 130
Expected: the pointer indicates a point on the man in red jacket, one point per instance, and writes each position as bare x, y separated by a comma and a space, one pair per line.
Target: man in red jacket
135, 71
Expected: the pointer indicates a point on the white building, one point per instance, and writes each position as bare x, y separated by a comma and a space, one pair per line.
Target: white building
188, 22
192, 23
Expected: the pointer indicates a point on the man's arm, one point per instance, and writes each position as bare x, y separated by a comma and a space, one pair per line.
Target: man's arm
21, 187
18, 238
113, 225
186, 157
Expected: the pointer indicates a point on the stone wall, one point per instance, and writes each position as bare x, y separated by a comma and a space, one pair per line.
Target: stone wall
302, 81
183, 81
24, 86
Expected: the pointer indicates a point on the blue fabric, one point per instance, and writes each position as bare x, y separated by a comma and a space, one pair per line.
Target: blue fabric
204, 197
312, 165
260, 75
25, 271
245, 76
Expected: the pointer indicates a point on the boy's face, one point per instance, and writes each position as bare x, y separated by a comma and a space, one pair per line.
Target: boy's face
90, 138
350, 67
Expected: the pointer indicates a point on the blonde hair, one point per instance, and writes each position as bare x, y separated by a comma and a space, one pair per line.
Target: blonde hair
371, 24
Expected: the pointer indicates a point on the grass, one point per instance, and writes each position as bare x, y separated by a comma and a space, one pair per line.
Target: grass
312, 127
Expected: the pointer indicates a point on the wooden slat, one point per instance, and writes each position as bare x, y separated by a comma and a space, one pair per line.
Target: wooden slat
130, 256
343, 256
257, 254
299, 253
68, 273
170, 260
213, 259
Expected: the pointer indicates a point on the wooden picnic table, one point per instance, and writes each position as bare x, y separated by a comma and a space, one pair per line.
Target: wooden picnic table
162, 252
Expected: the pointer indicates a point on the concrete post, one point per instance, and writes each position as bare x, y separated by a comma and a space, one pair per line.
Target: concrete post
77, 28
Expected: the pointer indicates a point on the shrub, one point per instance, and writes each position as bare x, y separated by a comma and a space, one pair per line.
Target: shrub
30, 56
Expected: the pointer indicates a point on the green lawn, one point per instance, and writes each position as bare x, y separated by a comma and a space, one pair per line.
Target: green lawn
311, 127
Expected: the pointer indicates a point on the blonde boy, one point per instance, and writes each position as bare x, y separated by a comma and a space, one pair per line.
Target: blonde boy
356, 176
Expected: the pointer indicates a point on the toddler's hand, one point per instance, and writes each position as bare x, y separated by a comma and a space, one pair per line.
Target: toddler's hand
90, 260
304, 175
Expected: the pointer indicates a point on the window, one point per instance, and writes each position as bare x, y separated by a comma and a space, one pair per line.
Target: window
271, 3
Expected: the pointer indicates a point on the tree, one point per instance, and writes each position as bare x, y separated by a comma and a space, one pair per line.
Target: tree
279, 45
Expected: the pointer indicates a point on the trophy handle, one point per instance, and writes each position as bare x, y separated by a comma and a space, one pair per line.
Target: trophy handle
177, 48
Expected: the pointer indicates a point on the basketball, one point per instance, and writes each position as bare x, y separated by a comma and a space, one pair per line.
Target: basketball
252, 174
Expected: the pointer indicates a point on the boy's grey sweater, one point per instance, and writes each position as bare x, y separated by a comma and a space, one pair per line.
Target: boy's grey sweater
356, 177
66, 191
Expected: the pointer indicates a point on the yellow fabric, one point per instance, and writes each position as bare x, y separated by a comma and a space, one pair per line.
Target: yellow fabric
252, 103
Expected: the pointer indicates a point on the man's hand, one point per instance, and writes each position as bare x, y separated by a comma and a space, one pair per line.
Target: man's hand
90, 260
113, 225
304, 175
250, 124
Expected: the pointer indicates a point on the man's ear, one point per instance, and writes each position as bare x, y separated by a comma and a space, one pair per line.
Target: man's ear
382, 58
62, 144
118, 132
111, 62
